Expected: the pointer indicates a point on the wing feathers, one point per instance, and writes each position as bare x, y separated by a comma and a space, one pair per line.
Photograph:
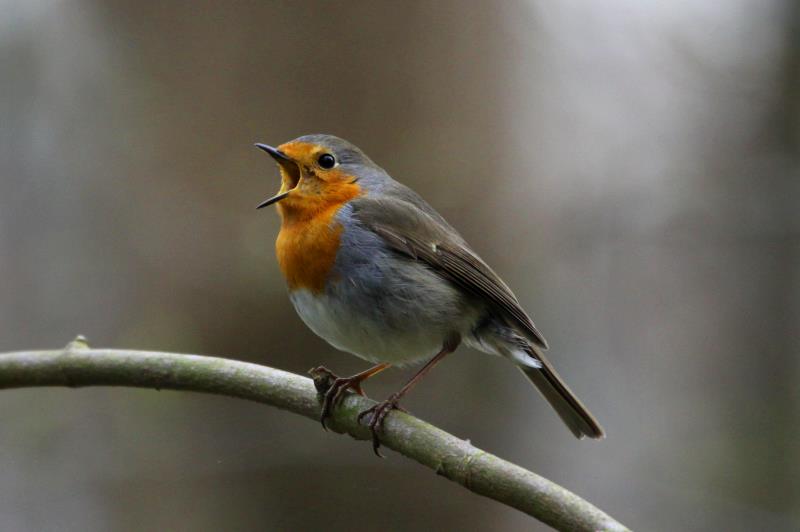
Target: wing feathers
411, 231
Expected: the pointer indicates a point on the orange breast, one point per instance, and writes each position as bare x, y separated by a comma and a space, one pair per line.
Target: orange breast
309, 238
307, 250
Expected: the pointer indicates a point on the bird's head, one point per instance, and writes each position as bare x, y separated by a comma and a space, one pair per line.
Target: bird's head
317, 172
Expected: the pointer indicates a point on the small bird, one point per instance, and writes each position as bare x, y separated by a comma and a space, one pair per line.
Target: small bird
377, 272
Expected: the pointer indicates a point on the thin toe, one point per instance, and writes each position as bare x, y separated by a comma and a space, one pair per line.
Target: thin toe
379, 413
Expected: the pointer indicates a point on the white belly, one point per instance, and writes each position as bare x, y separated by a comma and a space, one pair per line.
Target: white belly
364, 333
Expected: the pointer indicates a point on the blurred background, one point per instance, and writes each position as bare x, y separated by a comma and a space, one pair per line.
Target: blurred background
630, 168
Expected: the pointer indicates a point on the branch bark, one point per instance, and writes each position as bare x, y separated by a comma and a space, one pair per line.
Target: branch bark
456, 459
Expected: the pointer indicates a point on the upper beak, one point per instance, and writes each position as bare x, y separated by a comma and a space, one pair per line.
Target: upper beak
281, 158
276, 154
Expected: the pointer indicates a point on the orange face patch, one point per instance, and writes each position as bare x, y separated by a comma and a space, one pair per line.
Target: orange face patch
309, 238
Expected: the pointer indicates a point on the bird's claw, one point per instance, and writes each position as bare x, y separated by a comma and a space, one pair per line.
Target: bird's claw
379, 412
332, 390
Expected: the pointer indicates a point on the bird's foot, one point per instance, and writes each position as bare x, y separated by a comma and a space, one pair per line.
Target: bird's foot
332, 388
379, 413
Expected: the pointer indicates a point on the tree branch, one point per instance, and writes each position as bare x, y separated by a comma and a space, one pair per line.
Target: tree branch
451, 457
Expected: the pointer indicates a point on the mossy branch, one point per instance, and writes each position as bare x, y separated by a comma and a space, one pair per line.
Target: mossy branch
77, 365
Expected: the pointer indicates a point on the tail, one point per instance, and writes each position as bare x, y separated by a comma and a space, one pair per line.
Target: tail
568, 407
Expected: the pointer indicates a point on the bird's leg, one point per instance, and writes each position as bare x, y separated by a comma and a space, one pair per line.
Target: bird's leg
381, 410
335, 392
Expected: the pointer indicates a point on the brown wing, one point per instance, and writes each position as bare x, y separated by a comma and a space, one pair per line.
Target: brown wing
411, 230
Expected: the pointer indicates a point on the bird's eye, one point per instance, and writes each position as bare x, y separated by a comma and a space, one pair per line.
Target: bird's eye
327, 161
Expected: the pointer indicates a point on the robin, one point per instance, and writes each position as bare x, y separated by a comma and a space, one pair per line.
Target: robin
377, 272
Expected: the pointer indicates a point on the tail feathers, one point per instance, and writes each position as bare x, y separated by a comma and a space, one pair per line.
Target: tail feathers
568, 407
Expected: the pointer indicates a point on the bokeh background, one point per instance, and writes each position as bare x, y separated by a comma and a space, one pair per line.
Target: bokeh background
630, 168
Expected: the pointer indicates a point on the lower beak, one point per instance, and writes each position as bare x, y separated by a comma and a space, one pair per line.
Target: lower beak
274, 199
281, 159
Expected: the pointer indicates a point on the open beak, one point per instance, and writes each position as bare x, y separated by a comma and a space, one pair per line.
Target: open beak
286, 162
